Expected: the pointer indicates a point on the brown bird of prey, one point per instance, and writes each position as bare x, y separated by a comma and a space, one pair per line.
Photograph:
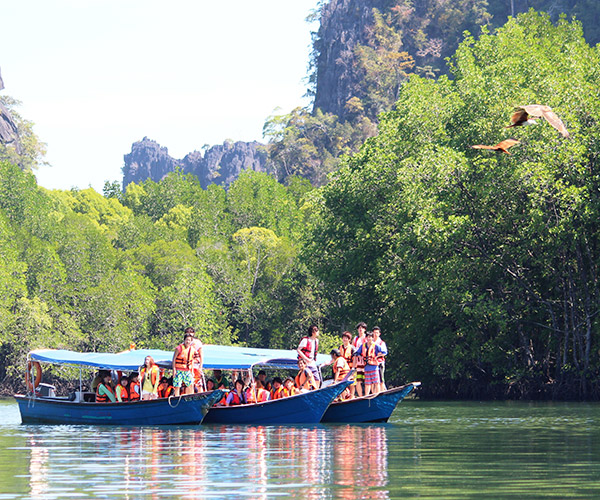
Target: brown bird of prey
528, 115
501, 147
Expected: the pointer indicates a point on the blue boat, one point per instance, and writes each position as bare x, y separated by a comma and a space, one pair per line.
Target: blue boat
80, 408
372, 408
304, 408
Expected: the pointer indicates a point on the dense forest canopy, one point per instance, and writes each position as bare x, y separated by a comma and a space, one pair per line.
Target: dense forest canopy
481, 268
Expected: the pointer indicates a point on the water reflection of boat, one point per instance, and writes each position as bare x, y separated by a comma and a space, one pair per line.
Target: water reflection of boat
372, 408
50, 409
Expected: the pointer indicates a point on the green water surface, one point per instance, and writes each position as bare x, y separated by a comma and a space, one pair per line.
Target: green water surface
449, 450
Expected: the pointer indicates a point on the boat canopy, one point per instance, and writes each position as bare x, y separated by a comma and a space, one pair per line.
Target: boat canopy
214, 357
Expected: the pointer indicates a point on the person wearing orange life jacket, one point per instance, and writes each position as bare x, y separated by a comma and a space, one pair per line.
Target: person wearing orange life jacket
308, 350
358, 362
164, 388
104, 391
236, 395
340, 366
121, 392
370, 351
277, 389
134, 387
150, 375
305, 380
197, 370
256, 393
262, 378
288, 388
183, 364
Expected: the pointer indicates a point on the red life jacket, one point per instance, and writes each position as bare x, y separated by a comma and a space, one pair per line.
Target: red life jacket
307, 350
185, 357
103, 398
360, 360
235, 399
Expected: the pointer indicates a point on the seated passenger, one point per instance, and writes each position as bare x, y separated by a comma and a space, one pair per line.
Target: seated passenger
134, 387
288, 388
262, 377
340, 365
236, 395
256, 393
277, 389
97, 379
210, 384
121, 392
305, 380
220, 379
104, 391
164, 388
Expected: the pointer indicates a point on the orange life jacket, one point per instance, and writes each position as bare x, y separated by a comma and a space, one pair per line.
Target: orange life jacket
306, 378
289, 392
185, 357
134, 391
103, 398
307, 349
340, 371
154, 373
369, 354
121, 391
277, 393
164, 389
347, 353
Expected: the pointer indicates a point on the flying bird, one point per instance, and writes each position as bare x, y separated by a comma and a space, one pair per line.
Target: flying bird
501, 147
528, 115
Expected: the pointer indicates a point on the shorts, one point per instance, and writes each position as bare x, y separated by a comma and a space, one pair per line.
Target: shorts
372, 376
360, 376
185, 378
151, 394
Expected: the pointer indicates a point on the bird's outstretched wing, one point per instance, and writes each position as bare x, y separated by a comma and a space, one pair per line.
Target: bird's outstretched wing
519, 117
501, 147
543, 111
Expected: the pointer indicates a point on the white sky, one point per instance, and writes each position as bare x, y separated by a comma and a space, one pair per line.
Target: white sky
97, 75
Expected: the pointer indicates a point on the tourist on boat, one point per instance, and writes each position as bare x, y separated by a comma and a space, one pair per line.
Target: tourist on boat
96, 380
199, 381
104, 391
340, 365
134, 386
210, 384
255, 393
150, 375
262, 377
183, 364
220, 379
164, 388
277, 391
305, 380
369, 351
347, 351
236, 395
308, 350
380, 359
359, 361
288, 387
121, 392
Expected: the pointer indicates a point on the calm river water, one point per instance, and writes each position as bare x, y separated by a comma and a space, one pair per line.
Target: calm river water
428, 450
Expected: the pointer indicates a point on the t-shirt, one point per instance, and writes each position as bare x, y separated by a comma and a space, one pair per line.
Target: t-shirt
311, 344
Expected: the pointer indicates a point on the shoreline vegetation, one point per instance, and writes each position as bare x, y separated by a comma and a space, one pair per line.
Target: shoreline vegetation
480, 268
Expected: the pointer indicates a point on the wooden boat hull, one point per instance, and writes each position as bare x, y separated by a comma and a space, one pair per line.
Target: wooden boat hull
305, 408
376, 408
188, 409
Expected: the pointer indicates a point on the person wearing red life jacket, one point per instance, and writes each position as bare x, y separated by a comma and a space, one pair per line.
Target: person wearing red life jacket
150, 375
121, 392
183, 364
236, 395
358, 362
104, 391
308, 350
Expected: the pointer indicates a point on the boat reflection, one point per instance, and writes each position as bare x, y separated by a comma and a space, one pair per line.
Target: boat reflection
218, 461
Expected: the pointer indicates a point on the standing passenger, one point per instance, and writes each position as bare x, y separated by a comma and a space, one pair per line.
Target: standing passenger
380, 359
150, 375
183, 363
347, 352
370, 351
359, 361
308, 350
